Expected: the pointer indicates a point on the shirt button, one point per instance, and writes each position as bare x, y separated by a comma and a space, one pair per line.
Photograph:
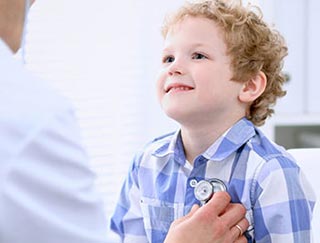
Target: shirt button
193, 183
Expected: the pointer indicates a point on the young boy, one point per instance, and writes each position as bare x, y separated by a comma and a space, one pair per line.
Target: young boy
221, 73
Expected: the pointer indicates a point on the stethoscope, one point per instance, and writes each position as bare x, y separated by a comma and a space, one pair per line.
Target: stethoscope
205, 189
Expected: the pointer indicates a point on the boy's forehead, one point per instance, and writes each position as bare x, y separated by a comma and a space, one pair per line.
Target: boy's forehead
196, 29
174, 27
196, 21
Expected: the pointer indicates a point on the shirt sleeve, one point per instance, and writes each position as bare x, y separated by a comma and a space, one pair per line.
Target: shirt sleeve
284, 203
127, 220
47, 189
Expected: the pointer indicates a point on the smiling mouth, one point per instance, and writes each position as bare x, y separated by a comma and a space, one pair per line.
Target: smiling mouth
178, 89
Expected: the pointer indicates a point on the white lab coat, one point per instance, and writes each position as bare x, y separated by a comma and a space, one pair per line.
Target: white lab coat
46, 188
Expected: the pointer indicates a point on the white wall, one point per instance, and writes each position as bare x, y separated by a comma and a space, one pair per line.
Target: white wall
104, 56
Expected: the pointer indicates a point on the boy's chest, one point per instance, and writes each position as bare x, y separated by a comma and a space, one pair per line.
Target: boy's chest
168, 193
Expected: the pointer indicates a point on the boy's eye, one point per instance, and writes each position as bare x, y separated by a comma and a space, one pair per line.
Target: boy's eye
168, 59
198, 56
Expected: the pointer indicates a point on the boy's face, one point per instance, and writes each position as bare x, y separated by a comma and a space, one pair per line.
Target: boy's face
195, 84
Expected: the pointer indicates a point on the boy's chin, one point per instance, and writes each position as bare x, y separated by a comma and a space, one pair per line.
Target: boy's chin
179, 115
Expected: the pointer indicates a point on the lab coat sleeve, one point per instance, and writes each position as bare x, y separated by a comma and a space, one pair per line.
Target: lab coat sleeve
46, 187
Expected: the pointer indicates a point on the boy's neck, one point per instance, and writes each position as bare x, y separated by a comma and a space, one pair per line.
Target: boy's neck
196, 142
198, 139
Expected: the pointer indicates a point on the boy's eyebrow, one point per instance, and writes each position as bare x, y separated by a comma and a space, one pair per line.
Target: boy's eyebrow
198, 44
169, 48
202, 44
212, 49
209, 49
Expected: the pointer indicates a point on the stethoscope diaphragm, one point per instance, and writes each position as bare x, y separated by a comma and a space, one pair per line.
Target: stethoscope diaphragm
204, 189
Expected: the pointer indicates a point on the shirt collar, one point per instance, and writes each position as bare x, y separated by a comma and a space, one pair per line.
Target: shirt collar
168, 147
225, 145
231, 140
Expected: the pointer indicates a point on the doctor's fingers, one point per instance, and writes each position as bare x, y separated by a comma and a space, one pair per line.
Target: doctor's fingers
233, 213
238, 230
188, 216
241, 239
216, 205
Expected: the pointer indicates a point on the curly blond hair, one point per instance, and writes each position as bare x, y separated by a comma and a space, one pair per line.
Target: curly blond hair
252, 45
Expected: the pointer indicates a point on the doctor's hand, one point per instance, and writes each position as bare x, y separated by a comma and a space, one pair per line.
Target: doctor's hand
218, 221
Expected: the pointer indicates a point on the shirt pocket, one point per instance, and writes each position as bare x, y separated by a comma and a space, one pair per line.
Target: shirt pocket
158, 215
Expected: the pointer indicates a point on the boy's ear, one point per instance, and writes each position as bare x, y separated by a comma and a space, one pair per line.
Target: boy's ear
253, 88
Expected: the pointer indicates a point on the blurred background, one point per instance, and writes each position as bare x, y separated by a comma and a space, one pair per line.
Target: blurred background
104, 56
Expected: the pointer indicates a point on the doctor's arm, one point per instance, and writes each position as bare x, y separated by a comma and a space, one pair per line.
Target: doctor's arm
47, 190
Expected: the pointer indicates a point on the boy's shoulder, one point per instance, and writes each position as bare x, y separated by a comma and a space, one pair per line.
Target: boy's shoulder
263, 149
162, 141
160, 145
164, 138
157, 148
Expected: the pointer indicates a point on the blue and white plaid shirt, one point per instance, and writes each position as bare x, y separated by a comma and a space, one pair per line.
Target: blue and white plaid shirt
258, 173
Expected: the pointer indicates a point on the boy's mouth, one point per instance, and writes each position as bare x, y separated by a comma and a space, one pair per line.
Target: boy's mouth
177, 88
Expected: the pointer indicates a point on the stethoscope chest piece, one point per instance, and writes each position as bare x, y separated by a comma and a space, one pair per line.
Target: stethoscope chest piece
204, 189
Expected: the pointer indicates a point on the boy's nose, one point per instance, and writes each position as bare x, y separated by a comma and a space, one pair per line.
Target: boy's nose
176, 68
